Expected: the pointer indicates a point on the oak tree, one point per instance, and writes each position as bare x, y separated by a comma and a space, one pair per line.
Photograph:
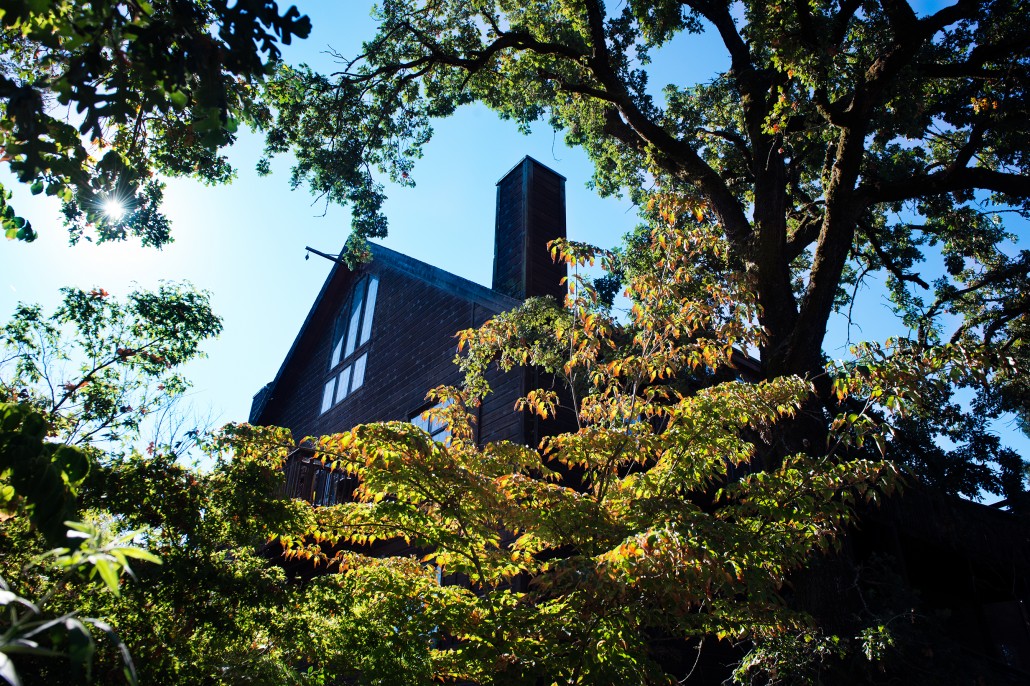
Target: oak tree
844, 137
847, 141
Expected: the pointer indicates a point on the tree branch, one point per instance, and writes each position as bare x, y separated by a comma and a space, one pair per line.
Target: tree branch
842, 19
677, 157
886, 260
719, 15
910, 34
806, 232
737, 140
836, 237
946, 181
474, 62
1020, 268
1004, 316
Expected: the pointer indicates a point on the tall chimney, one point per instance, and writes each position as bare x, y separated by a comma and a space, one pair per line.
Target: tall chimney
530, 212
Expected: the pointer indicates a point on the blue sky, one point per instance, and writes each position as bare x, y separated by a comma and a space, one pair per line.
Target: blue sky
245, 241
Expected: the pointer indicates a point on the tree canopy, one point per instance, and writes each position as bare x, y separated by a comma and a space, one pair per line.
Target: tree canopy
98, 97
847, 140
84, 379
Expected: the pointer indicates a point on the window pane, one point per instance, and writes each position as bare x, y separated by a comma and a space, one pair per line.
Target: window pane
337, 349
355, 319
341, 388
436, 428
370, 310
359, 373
327, 395
339, 329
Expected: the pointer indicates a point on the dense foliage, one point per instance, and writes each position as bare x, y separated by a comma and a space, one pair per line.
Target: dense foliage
607, 554
89, 431
847, 141
97, 97
86, 377
73, 385
642, 534
218, 609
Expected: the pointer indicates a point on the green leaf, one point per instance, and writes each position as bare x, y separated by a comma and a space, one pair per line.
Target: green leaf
178, 99
73, 462
80, 645
139, 554
82, 529
108, 573
881, 443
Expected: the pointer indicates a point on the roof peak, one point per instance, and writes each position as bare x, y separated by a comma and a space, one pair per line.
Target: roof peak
536, 162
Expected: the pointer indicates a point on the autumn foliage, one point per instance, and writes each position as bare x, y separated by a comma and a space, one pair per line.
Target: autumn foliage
647, 525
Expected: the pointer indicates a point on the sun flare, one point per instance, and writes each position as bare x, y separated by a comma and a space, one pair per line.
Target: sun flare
114, 209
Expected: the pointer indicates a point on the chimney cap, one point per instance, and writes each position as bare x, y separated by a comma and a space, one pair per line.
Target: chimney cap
534, 161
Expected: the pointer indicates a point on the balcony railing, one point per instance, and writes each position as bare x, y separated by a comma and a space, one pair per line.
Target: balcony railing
312, 480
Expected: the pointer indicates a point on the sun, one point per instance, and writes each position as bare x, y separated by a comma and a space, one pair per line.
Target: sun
114, 209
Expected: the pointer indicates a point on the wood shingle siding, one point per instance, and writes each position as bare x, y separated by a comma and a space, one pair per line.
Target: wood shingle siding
418, 311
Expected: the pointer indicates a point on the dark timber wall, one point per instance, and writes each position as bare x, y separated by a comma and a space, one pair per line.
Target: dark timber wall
412, 350
530, 213
418, 311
